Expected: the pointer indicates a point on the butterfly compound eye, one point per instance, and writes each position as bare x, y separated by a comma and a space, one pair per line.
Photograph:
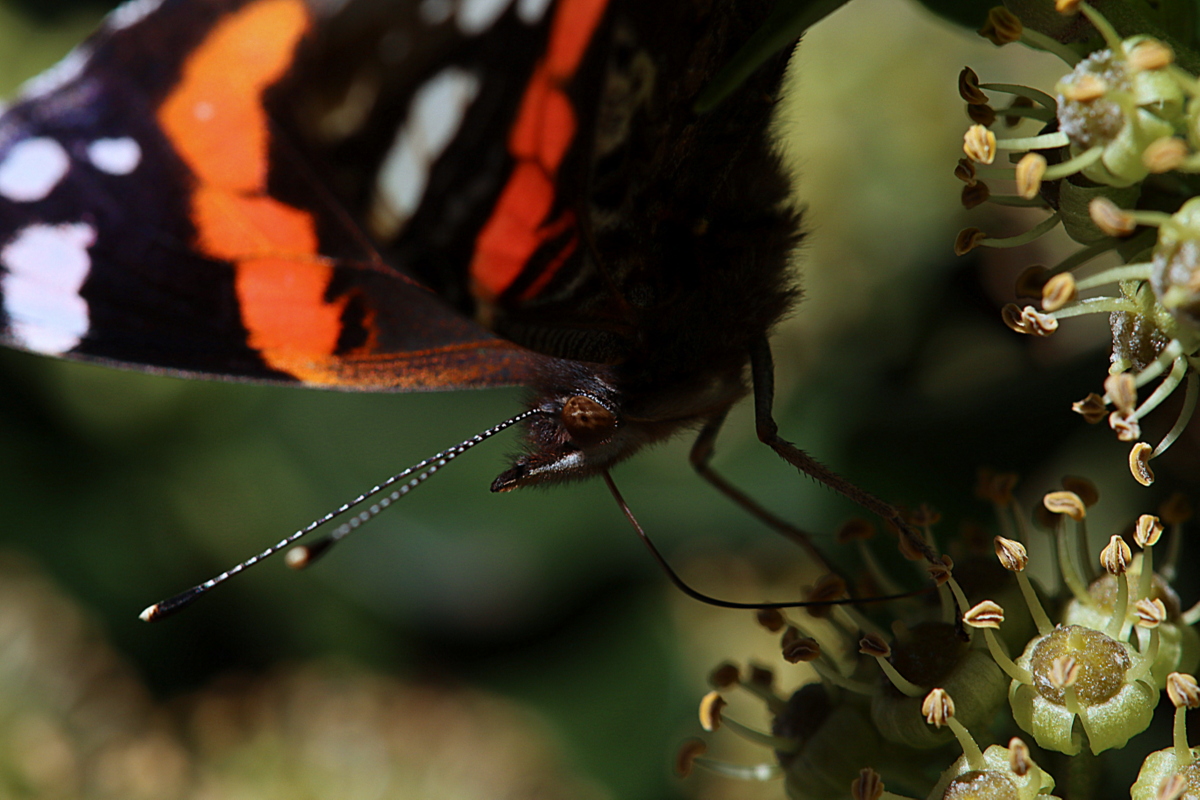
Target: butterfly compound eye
587, 421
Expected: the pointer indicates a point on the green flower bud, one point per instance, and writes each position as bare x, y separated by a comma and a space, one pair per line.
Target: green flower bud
999, 781
1175, 274
1179, 644
1158, 767
1088, 112
1155, 88
934, 655
1122, 163
1110, 697
1122, 102
831, 738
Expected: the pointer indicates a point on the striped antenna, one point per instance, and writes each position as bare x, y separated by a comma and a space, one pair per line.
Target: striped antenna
303, 555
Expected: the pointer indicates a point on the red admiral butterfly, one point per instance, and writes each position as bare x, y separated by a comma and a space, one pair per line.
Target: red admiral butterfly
404, 196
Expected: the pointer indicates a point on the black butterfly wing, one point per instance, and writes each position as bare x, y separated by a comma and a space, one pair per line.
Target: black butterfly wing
583, 209
153, 215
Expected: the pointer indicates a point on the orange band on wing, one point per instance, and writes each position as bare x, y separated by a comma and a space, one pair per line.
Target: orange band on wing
280, 284
540, 137
235, 227
214, 117
216, 123
277, 308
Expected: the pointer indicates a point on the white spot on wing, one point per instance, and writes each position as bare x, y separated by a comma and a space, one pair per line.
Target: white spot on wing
115, 156
434, 117
476, 16
32, 168
437, 108
131, 12
45, 267
532, 11
68, 69
406, 175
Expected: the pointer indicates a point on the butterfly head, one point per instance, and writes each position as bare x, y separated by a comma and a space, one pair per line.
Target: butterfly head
587, 418
576, 435
580, 427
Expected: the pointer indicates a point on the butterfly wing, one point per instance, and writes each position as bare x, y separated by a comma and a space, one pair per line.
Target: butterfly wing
581, 208
495, 216
152, 215
193, 190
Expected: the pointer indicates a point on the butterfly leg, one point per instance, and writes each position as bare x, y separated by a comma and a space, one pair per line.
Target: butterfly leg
762, 372
701, 456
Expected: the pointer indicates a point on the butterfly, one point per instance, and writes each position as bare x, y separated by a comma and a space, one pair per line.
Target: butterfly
417, 195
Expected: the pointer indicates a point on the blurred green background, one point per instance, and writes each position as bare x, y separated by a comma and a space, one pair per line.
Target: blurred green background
895, 370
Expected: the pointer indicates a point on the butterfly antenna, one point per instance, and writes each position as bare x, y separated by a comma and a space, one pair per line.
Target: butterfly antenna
303, 555
715, 601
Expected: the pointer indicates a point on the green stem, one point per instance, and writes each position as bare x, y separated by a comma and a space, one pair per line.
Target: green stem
775, 704
1111, 38
1127, 272
1088, 253
1185, 415
902, 683
837, 679
856, 621
1040, 41
878, 574
1072, 165
1022, 517
1081, 775
1142, 670
1043, 141
743, 772
1036, 95
967, 743
1066, 564
960, 596
759, 737
1168, 385
1095, 305
1090, 569
1154, 219
1040, 618
1183, 753
1147, 576
1025, 238
1192, 615
1027, 112
1159, 365
1010, 667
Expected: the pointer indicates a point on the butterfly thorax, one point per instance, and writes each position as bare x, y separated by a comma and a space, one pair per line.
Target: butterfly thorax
691, 238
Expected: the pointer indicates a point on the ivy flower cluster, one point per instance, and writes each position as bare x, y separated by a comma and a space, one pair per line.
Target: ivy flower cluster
1088, 676
1115, 164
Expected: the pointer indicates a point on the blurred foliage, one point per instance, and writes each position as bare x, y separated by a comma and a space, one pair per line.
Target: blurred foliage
895, 371
75, 723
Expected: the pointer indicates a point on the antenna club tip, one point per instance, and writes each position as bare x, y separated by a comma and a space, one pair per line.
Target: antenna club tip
298, 557
150, 613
